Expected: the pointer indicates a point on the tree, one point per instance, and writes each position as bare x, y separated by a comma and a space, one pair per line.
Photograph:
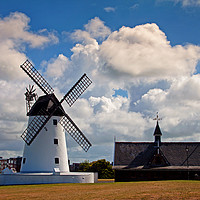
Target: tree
84, 166
103, 167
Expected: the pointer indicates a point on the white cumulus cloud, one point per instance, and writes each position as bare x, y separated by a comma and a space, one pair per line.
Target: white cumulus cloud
144, 51
14, 35
56, 67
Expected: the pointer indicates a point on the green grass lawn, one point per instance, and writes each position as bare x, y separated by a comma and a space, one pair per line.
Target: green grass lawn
130, 190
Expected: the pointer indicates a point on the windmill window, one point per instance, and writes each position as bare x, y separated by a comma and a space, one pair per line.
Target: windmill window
56, 160
24, 160
55, 122
55, 141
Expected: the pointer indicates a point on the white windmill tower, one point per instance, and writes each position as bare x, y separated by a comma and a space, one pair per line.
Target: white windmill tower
45, 149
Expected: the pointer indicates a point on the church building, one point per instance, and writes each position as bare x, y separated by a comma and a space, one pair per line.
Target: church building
141, 161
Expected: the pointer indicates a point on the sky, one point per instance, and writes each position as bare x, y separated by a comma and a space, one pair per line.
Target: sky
143, 57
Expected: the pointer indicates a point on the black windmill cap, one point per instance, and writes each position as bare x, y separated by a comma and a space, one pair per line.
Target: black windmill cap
46, 102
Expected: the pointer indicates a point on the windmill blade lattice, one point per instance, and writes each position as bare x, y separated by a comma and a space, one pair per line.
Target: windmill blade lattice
75, 132
36, 77
36, 125
75, 92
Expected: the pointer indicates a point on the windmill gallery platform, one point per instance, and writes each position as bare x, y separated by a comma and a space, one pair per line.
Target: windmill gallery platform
47, 178
45, 158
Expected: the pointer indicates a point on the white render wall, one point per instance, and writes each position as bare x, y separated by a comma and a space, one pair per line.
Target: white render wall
48, 178
41, 153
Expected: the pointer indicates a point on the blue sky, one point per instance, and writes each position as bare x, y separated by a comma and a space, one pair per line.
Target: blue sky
180, 23
143, 57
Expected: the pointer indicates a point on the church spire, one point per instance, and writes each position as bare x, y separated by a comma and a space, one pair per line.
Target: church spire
157, 132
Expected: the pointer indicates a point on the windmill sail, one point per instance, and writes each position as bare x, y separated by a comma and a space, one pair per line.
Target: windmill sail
36, 125
75, 92
36, 77
75, 132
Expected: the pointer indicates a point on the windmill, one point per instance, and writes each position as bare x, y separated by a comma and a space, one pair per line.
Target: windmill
45, 148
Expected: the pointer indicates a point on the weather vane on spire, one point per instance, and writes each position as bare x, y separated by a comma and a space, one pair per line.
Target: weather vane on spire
157, 118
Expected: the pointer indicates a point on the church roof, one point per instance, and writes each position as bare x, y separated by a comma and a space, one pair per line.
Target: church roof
47, 103
136, 154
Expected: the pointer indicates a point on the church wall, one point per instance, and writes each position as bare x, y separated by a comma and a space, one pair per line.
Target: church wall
154, 175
